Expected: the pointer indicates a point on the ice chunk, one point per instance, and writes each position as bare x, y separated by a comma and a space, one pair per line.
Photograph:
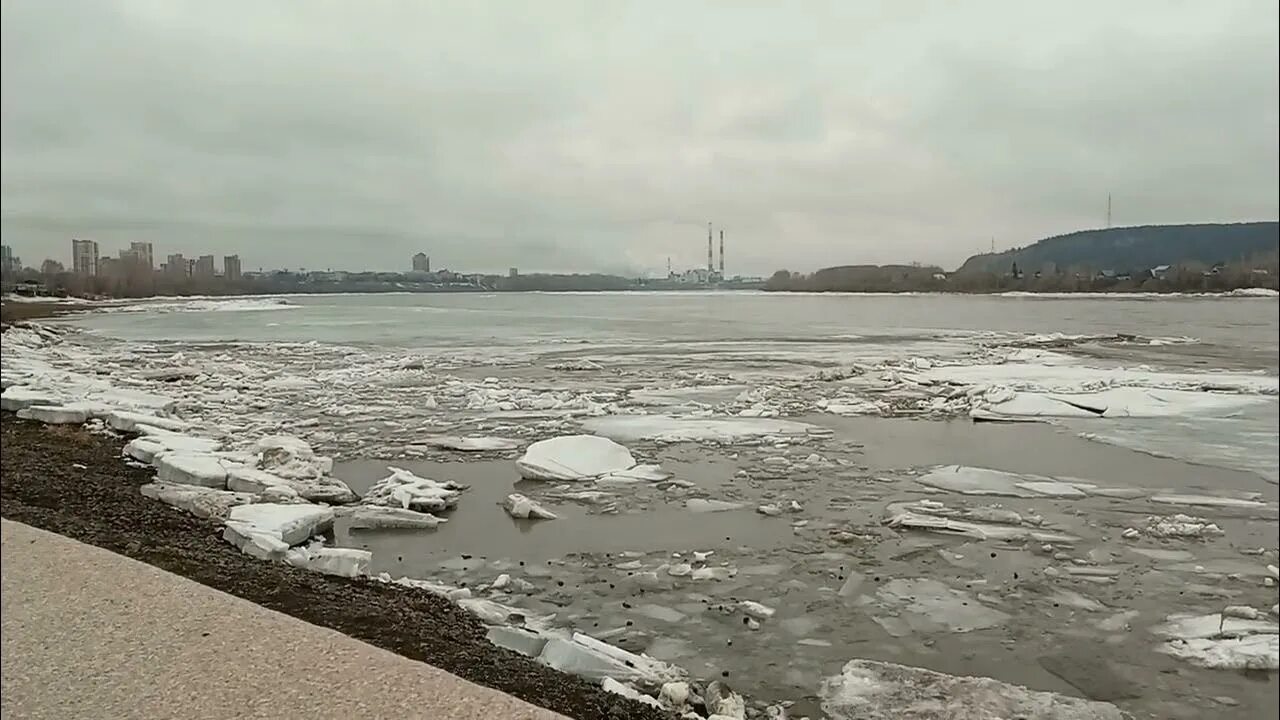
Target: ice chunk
254, 543
69, 414
17, 397
573, 457
660, 612
128, 421
1127, 402
291, 524
1251, 652
872, 690
471, 444
1187, 627
1181, 526
316, 489
702, 505
405, 490
1207, 501
929, 605
722, 702
664, 428
521, 640
343, 562
202, 502
983, 481
127, 398
588, 657
519, 506
163, 441
675, 693
756, 610
771, 509
291, 458
375, 517
613, 686
191, 469
639, 473
896, 517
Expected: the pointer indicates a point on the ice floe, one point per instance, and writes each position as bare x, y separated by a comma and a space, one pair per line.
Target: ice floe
203, 502
191, 469
290, 524
1181, 526
377, 517
343, 562
873, 690
593, 659
1222, 641
665, 428
1125, 402
403, 489
470, 444
519, 506
583, 457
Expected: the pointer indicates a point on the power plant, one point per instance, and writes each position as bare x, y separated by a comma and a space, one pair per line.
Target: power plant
702, 276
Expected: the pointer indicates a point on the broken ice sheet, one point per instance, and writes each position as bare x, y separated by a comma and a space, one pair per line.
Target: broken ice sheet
871, 690
925, 605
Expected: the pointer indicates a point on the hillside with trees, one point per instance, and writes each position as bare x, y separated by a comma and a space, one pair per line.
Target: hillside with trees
1129, 250
1152, 258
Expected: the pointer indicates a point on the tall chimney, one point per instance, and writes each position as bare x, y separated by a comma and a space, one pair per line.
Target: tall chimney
710, 266
722, 254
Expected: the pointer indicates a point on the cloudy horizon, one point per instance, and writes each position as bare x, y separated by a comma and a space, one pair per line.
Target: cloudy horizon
603, 136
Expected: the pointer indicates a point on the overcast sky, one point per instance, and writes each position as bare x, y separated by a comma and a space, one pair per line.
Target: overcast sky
603, 135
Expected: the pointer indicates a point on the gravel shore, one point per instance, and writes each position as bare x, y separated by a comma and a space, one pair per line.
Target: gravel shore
68, 481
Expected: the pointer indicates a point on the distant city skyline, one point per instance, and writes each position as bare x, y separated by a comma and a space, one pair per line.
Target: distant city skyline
581, 137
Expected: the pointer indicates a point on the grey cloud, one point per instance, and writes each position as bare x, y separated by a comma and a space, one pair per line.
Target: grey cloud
602, 136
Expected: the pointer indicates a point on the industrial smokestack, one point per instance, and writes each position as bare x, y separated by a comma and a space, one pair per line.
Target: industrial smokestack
721, 253
710, 266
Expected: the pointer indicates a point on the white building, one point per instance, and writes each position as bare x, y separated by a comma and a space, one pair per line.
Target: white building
84, 257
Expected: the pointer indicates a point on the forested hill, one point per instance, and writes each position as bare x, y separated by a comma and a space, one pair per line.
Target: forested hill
1137, 248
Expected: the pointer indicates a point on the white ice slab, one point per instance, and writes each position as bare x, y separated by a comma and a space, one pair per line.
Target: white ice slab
329, 490
1222, 642
191, 469
1207, 501
470, 444
978, 530
403, 489
290, 457
702, 505
17, 397
588, 657
128, 421
291, 524
573, 457
374, 517
984, 481
343, 562
199, 501
69, 414
519, 506
871, 690
617, 688
665, 428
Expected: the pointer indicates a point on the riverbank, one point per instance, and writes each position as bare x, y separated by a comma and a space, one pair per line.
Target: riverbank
66, 480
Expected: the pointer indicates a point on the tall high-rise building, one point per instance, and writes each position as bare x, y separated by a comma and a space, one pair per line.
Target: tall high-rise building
84, 257
9, 263
204, 267
231, 267
421, 263
142, 250
177, 265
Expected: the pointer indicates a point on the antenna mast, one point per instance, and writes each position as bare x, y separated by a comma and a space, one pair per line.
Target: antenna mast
1108, 209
